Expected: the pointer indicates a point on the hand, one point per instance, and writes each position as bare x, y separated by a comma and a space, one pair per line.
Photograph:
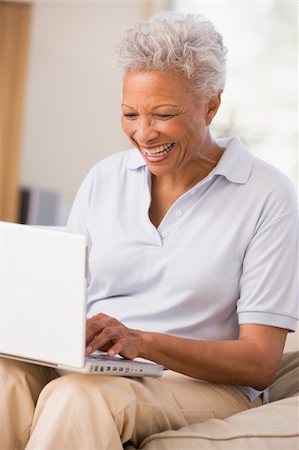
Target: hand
106, 333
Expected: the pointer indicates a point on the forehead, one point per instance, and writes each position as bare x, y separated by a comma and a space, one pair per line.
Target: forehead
162, 86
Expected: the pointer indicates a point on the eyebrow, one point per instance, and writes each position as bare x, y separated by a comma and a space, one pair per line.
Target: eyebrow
155, 107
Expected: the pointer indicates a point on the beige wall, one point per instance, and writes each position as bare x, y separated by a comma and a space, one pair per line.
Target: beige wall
72, 115
292, 343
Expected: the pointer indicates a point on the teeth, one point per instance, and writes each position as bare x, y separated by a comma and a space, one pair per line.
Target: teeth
158, 150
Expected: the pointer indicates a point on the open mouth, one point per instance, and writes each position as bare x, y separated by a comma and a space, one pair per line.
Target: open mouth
161, 150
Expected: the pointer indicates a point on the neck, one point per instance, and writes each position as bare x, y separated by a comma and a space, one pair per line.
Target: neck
194, 171
206, 159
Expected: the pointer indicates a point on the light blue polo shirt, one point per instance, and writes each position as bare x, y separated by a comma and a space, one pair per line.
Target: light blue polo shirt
226, 252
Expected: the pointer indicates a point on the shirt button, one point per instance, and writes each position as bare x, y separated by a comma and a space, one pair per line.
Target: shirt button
179, 213
164, 234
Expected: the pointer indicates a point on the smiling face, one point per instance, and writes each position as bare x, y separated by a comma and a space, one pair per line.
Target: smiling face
162, 118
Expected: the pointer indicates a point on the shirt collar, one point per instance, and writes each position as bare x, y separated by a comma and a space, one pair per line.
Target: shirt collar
235, 164
135, 160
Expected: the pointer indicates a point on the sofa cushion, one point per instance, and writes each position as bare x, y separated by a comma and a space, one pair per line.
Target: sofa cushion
274, 426
286, 382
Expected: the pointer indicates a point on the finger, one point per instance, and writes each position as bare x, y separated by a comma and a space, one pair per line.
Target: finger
104, 348
100, 340
91, 332
94, 326
115, 349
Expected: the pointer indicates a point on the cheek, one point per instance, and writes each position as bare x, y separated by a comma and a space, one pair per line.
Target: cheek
127, 128
171, 129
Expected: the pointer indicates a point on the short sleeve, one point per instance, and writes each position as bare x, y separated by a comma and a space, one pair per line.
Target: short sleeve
269, 281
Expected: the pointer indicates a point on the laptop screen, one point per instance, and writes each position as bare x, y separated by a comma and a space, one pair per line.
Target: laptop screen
42, 294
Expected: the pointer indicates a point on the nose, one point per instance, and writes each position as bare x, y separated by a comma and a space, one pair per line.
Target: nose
145, 132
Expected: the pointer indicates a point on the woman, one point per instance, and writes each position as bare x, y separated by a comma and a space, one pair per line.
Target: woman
192, 261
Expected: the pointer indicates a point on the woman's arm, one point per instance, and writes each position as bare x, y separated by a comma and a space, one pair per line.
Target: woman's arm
250, 360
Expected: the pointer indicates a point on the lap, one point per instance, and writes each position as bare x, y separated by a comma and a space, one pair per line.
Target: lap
138, 407
19, 372
195, 400
171, 391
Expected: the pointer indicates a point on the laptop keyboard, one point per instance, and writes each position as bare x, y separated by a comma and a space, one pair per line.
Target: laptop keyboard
104, 357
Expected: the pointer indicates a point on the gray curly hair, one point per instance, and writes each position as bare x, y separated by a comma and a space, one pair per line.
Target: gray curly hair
183, 43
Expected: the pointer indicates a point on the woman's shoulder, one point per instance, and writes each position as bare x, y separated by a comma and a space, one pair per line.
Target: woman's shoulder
270, 176
269, 173
274, 186
262, 185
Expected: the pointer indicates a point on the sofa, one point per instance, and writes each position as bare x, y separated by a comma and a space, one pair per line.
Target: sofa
274, 426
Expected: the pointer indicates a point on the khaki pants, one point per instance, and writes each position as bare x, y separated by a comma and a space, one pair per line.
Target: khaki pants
41, 411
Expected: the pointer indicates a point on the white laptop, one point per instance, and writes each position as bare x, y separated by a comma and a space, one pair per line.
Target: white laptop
43, 303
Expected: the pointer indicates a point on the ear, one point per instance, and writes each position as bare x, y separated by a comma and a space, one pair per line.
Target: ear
212, 107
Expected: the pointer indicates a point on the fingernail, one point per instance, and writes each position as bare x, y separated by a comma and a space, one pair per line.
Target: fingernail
88, 349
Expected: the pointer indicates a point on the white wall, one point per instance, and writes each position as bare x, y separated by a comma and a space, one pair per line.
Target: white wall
72, 114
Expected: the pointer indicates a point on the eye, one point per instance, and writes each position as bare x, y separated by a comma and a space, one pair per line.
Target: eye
130, 116
165, 116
